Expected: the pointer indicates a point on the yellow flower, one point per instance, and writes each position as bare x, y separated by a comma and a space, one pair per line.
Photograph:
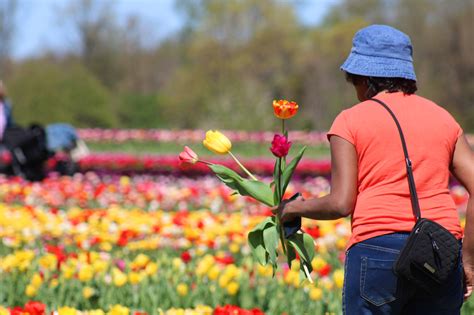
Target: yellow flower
54, 283
118, 310
134, 277
232, 288
66, 311
295, 265
86, 273
151, 268
315, 294
338, 277
204, 310
291, 276
48, 261
318, 263
341, 243
36, 280
88, 292
95, 312
100, 266
213, 273
4, 311
31, 290
68, 271
224, 280
234, 248
182, 289
106, 246
140, 261
177, 263
217, 142
118, 277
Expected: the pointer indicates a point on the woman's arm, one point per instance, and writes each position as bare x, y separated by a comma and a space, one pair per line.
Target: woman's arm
463, 169
340, 202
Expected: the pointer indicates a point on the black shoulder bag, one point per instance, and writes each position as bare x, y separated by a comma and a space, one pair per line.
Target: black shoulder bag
431, 252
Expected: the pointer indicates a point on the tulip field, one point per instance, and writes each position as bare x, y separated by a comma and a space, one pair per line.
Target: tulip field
159, 240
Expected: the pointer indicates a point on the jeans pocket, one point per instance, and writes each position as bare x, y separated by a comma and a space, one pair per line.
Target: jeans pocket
378, 283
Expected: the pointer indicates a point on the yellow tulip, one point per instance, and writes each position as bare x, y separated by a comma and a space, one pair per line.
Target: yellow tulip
30, 290
86, 273
118, 310
151, 268
134, 278
119, 278
182, 289
4, 311
217, 142
36, 280
232, 288
87, 292
67, 311
315, 294
338, 277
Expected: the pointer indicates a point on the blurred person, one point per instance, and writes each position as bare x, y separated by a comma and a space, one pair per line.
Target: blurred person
369, 180
63, 140
6, 120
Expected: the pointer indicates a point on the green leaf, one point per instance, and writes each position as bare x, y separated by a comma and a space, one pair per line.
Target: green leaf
276, 179
290, 254
270, 239
289, 169
304, 245
262, 225
257, 247
253, 188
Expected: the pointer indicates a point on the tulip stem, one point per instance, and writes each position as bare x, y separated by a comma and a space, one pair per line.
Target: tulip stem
242, 167
306, 271
205, 162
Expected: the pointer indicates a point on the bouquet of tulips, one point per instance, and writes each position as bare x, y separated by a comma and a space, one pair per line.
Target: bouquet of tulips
265, 237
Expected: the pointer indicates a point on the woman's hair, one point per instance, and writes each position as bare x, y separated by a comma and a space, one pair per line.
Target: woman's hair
376, 84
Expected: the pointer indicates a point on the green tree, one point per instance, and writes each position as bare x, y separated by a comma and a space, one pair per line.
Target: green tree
46, 92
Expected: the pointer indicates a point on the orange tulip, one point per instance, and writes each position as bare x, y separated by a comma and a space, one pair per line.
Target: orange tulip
284, 109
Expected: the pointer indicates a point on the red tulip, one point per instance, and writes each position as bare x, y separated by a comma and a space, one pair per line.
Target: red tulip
280, 146
187, 157
35, 308
186, 257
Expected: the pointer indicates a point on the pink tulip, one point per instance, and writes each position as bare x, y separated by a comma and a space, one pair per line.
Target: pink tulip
280, 146
187, 157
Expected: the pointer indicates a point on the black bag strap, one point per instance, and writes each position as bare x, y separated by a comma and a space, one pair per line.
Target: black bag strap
411, 181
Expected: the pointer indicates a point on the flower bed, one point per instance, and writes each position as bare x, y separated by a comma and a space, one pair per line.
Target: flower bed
189, 136
155, 245
123, 163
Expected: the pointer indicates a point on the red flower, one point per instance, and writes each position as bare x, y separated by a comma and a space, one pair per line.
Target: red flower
35, 308
186, 257
17, 310
280, 146
324, 271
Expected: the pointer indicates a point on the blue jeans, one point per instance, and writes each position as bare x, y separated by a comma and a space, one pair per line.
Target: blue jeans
371, 287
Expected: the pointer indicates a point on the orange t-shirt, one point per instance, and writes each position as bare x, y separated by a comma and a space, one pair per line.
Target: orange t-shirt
383, 202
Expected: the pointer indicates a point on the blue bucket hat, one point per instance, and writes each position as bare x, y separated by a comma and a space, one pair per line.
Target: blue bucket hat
381, 51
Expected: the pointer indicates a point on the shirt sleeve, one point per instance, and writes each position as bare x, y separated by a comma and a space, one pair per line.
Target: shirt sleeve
341, 127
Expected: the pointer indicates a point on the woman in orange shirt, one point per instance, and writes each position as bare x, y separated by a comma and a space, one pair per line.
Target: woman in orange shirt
369, 180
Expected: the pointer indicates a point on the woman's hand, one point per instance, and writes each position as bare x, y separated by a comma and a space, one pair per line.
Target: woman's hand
468, 277
288, 210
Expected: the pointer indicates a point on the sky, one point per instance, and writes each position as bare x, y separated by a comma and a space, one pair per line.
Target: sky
38, 24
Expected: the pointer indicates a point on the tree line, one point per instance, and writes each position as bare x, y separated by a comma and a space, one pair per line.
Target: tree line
228, 62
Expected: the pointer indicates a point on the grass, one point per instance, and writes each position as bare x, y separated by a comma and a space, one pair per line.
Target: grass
242, 149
